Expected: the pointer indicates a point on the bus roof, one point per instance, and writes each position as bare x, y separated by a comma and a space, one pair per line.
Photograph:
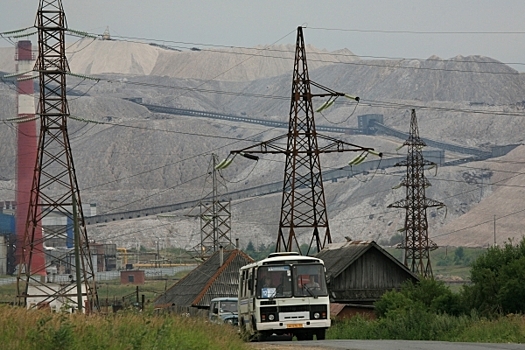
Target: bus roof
284, 258
276, 254
225, 299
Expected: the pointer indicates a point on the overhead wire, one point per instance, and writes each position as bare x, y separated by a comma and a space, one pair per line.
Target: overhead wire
492, 113
465, 111
320, 53
363, 102
422, 32
142, 41
198, 89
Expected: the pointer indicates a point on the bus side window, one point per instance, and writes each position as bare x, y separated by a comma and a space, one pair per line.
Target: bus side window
246, 293
250, 283
241, 285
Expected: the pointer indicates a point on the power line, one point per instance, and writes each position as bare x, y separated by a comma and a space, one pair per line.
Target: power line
465, 111
394, 62
139, 40
357, 217
418, 31
148, 41
363, 102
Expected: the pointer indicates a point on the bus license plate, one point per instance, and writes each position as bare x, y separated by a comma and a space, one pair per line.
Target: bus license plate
294, 325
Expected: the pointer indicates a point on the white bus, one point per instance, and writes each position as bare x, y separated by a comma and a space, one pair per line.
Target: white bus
285, 293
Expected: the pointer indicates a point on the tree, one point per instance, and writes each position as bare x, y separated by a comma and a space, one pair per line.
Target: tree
497, 278
459, 254
250, 247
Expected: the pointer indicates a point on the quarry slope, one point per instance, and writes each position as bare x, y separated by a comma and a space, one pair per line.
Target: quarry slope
134, 158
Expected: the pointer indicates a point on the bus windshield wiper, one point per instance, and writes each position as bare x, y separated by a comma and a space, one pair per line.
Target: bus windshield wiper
305, 287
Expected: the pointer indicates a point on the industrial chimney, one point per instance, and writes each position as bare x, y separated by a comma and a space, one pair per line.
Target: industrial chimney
26, 152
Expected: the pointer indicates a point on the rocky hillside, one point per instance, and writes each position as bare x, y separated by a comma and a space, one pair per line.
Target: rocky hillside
135, 158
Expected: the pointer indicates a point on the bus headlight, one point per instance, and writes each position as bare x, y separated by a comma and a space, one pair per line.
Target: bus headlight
316, 315
271, 317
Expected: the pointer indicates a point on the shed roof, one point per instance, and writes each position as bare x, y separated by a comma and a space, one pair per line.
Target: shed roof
338, 256
209, 280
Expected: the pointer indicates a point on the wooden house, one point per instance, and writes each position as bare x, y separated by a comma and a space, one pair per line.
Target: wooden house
217, 277
360, 272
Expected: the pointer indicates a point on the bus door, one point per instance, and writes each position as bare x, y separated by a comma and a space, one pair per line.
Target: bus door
246, 293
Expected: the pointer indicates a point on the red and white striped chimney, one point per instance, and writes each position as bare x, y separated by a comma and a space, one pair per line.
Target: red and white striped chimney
27, 142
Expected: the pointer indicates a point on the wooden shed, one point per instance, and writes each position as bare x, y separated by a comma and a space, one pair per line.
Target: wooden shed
217, 277
360, 272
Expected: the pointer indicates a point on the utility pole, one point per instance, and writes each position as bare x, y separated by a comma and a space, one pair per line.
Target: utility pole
157, 259
303, 205
54, 193
495, 230
416, 243
214, 215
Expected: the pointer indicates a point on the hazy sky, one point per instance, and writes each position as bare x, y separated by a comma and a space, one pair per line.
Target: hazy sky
364, 27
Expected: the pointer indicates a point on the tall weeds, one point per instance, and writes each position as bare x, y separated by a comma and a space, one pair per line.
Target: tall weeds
422, 325
39, 330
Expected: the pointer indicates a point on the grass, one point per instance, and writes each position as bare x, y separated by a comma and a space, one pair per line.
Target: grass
427, 326
41, 330
506, 329
111, 290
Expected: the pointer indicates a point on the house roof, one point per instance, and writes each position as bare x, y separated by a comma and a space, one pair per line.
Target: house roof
336, 308
209, 280
338, 256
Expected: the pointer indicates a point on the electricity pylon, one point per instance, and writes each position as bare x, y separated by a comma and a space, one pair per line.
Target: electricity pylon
416, 243
55, 195
303, 201
214, 215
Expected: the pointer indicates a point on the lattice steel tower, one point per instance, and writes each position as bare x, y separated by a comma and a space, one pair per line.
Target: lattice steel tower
303, 205
55, 194
416, 243
214, 215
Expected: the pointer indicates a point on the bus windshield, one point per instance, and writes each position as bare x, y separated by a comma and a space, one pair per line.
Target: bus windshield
309, 280
282, 281
274, 281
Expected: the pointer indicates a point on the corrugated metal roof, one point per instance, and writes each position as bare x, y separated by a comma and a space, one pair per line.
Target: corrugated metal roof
338, 256
336, 308
207, 281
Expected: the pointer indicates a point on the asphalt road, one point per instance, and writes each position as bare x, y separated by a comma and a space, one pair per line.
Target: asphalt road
397, 345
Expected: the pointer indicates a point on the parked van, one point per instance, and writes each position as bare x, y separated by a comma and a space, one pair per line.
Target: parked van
224, 310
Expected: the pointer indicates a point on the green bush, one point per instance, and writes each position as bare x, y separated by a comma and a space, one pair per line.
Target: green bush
392, 300
429, 295
497, 278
